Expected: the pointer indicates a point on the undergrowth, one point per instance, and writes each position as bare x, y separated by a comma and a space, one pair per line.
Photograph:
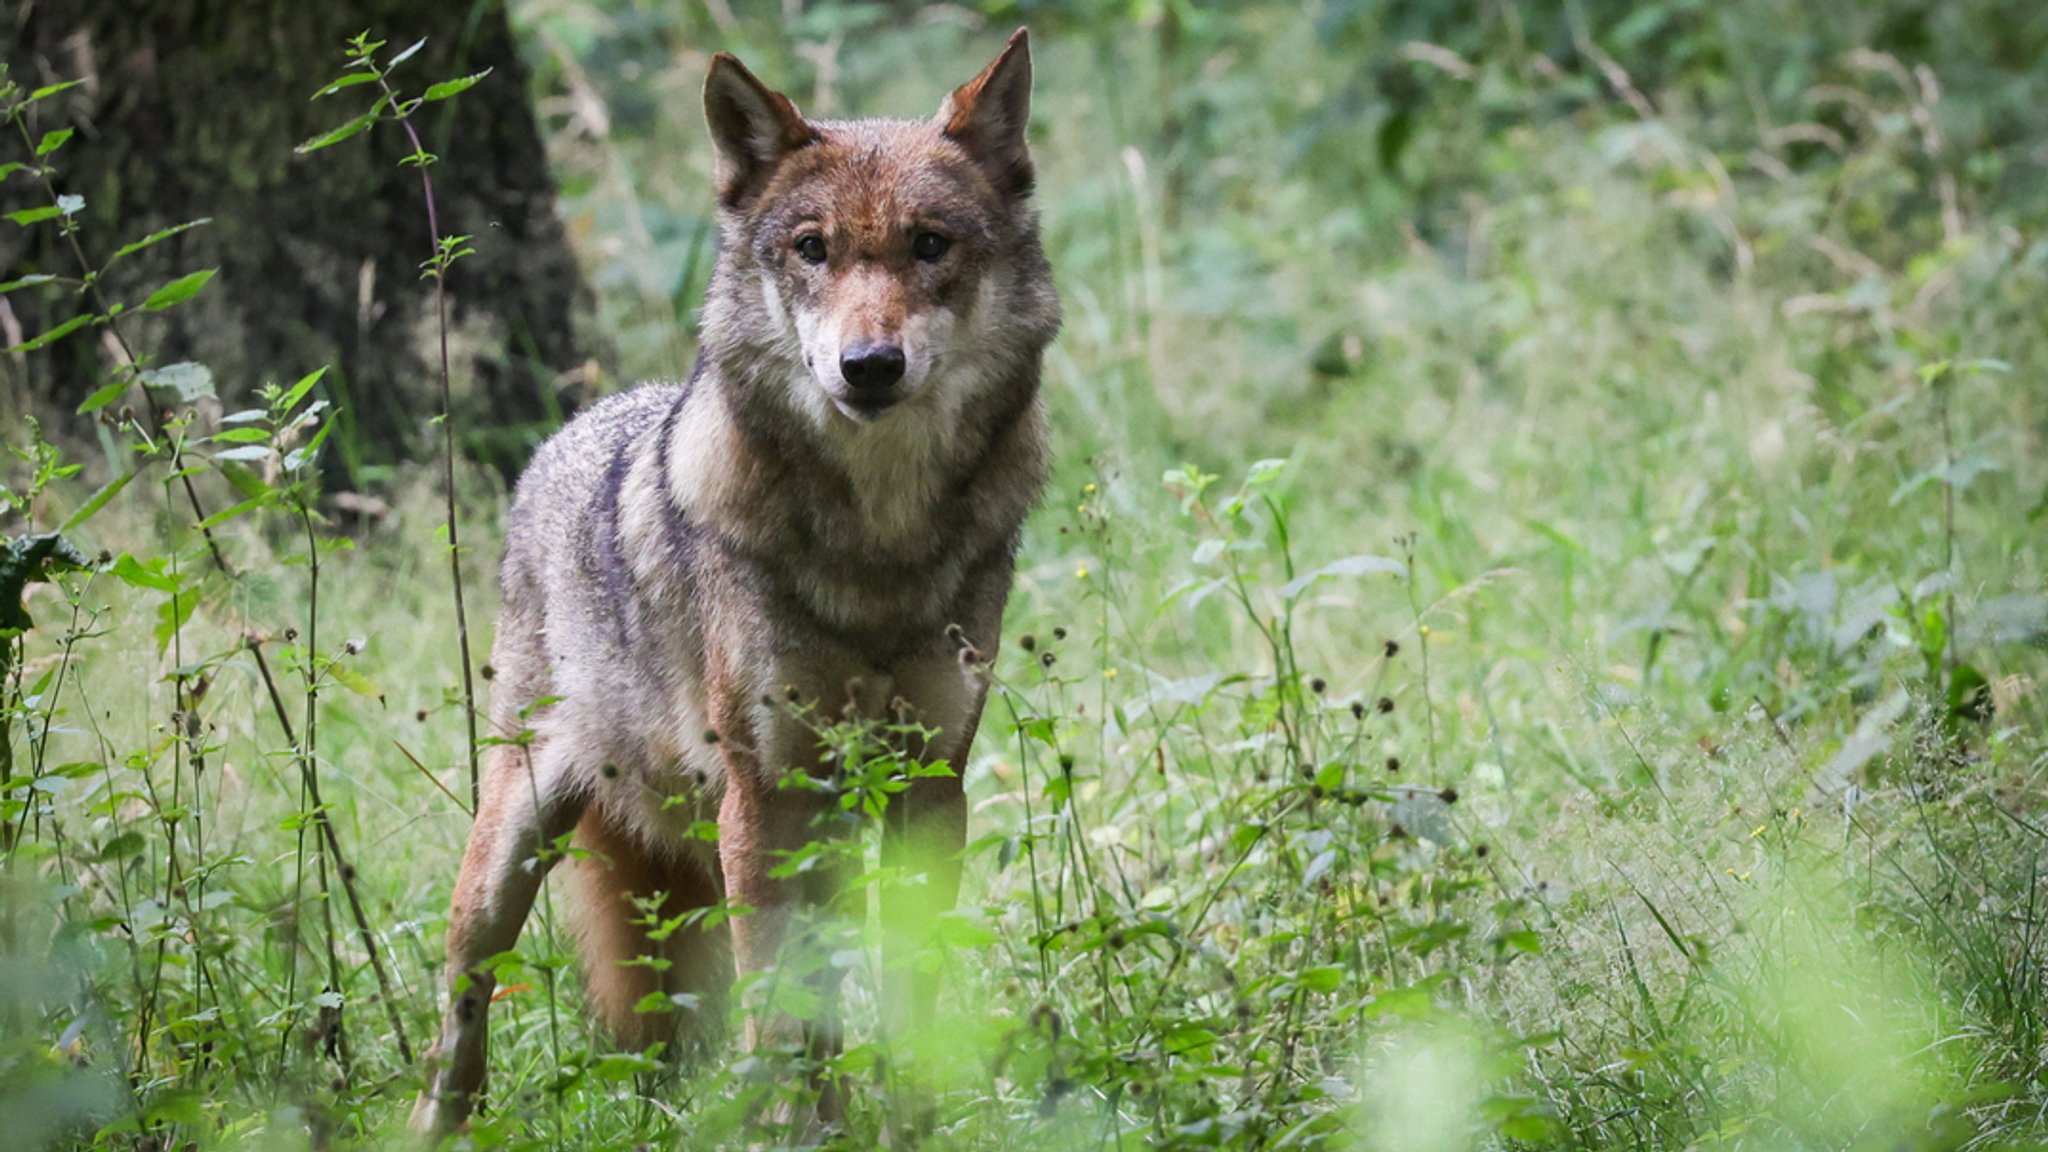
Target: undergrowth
1534, 643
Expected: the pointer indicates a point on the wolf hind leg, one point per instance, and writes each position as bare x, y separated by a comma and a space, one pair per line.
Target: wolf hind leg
526, 805
618, 881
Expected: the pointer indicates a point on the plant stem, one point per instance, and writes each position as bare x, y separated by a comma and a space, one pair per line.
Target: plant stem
440, 271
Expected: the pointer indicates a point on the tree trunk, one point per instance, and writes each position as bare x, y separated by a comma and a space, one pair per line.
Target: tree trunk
192, 108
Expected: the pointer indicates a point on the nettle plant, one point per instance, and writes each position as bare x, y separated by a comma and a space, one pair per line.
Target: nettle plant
1221, 889
166, 959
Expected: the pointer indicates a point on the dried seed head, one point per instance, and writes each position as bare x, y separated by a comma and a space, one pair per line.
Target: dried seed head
789, 693
1028, 642
1448, 795
609, 771
353, 647
420, 716
1393, 649
1385, 705
1318, 685
1358, 709
1059, 633
711, 735
488, 672
956, 634
1481, 851
1047, 659
1393, 763
291, 635
970, 656
1397, 833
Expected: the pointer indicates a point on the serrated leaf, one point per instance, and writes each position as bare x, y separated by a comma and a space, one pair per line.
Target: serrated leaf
244, 479
55, 334
333, 136
53, 140
183, 288
128, 570
447, 88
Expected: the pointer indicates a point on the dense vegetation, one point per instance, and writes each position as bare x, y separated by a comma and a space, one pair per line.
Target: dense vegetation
1536, 640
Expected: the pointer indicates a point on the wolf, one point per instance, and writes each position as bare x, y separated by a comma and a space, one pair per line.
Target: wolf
821, 522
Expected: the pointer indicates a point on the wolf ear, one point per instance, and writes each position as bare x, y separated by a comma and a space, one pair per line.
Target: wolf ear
753, 126
987, 116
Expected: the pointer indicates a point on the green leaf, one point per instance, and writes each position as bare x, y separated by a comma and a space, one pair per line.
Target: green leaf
335, 136
97, 501
128, 570
244, 479
355, 682
1325, 979
447, 88
107, 394
55, 334
29, 281
245, 453
349, 80
183, 288
49, 90
232, 511
156, 237
31, 560
174, 613
53, 140
240, 436
299, 390
28, 216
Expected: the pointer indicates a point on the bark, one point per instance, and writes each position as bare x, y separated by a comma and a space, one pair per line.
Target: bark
192, 108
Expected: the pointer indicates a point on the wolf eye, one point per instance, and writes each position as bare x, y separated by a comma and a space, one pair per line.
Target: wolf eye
929, 246
811, 247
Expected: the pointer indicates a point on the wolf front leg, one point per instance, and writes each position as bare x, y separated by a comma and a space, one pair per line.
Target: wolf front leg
925, 829
762, 824
529, 801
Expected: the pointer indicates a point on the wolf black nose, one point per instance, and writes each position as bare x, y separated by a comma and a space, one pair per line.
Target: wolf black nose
871, 367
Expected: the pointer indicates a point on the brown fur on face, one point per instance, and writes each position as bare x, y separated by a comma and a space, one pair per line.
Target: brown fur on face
866, 194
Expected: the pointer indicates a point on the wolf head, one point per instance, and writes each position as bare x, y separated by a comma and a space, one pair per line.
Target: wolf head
876, 267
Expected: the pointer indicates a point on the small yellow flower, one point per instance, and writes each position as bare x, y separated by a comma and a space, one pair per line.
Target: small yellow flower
1088, 489
1109, 673
1080, 572
1422, 630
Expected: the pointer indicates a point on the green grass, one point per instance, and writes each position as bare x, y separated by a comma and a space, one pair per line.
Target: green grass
1706, 464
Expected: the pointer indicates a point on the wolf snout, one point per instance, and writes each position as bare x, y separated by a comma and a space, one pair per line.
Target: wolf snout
871, 370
